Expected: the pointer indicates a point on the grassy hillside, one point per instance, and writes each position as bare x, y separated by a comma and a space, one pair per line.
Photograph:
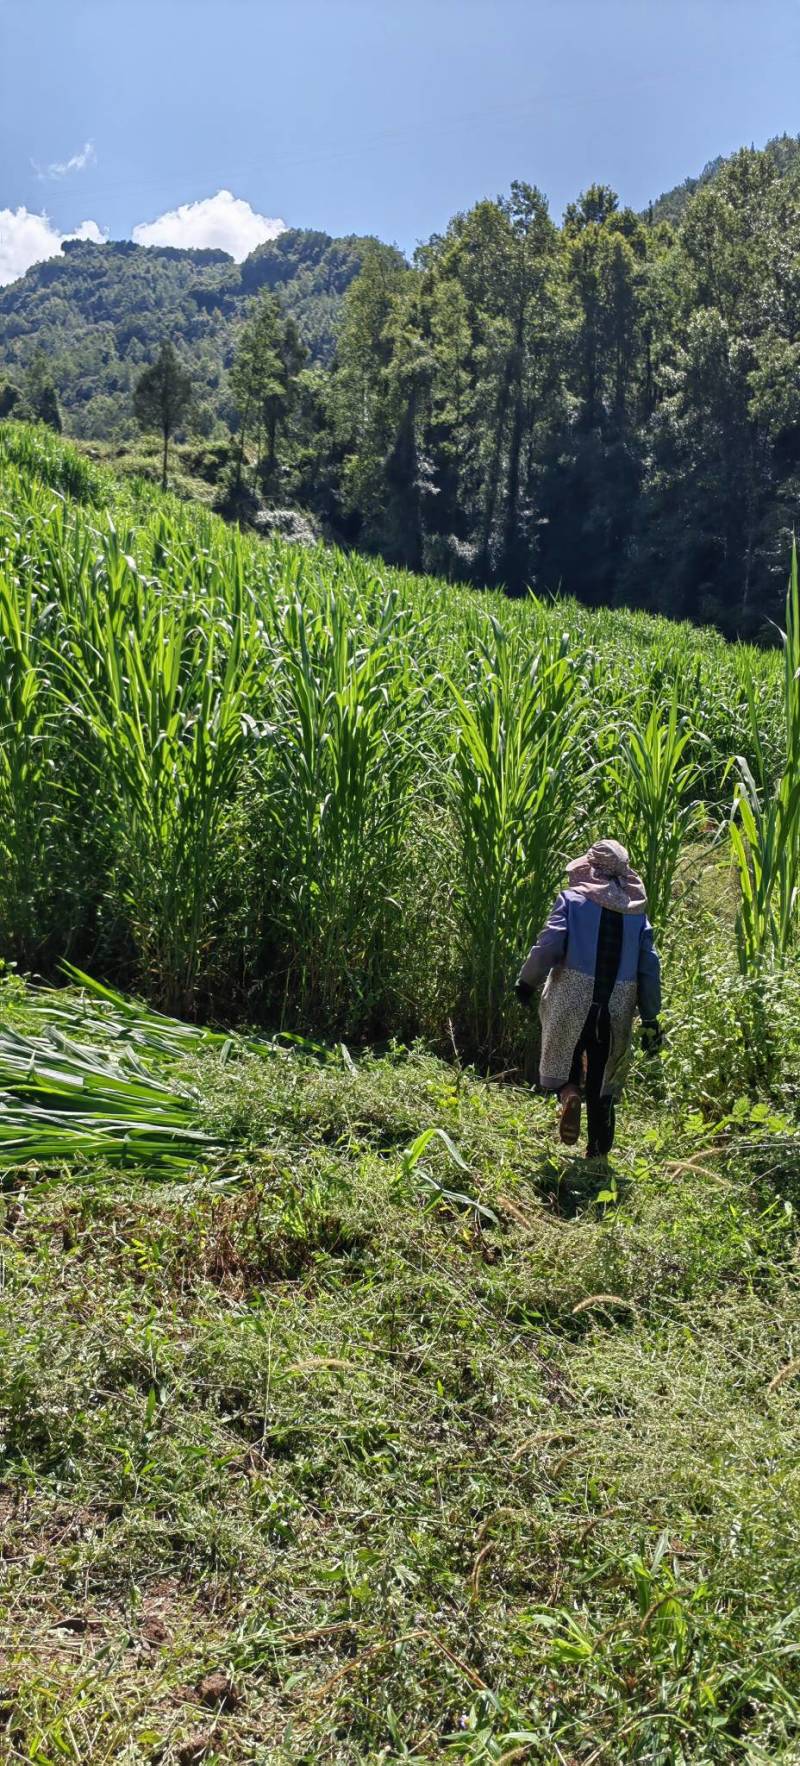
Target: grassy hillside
288, 754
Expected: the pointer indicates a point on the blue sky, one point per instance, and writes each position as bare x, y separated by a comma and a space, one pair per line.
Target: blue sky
380, 116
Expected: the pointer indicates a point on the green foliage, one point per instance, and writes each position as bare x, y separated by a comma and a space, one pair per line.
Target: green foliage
782, 151
96, 1078
41, 397
282, 783
10, 399
608, 409
161, 702
653, 785
64, 1101
765, 821
516, 785
345, 752
161, 398
28, 814
266, 364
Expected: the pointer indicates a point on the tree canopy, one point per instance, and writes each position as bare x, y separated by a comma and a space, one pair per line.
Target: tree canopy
162, 397
610, 407
101, 313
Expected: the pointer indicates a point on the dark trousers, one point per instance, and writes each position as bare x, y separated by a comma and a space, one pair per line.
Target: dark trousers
590, 1057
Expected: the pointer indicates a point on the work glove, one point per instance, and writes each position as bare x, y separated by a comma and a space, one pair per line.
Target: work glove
652, 1037
524, 992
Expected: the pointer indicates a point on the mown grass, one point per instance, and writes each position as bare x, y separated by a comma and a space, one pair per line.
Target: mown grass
310, 1458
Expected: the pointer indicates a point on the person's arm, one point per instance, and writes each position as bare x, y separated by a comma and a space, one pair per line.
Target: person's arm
648, 979
550, 948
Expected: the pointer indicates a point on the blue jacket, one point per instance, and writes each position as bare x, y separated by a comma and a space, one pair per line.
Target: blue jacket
570, 937
564, 958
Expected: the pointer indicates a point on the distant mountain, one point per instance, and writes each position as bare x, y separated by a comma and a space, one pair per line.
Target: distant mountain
99, 313
671, 205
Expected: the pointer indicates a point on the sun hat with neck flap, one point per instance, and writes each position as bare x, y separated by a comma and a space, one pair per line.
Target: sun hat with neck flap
604, 874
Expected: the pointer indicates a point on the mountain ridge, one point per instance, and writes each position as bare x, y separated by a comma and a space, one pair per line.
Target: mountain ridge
671, 205
100, 311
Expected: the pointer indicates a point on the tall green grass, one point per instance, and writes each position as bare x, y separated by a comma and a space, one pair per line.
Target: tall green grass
28, 809
161, 696
296, 786
655, 780
338, 797
765, 823
516, 787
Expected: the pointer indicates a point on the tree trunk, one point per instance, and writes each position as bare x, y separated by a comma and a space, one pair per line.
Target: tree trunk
402, 474
515, 377
649, 387
272, 443
493, 481
242, 437
164, 461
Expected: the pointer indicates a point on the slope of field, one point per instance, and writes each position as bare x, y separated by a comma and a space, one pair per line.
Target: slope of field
366, 1426
232, 761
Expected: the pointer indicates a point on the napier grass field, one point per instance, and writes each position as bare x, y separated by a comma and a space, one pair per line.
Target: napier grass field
342, 1417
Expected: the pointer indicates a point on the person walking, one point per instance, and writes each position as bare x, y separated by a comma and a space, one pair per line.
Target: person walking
596, 962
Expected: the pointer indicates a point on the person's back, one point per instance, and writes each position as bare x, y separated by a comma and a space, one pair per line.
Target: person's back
597, 960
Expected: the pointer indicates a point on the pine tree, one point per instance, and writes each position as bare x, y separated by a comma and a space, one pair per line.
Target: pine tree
161, 398
40, 393
269, 356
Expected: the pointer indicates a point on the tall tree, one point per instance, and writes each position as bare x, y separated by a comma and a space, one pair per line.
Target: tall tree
366, 400
10, 399
494, 320
40, 393
607, 250
723, 444
162, 397
269, 356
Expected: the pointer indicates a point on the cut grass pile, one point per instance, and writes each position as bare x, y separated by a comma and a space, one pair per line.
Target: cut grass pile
308, 1458
77, 1087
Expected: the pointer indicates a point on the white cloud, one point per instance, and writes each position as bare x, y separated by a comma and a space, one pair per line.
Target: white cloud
59, 168
88, 230
224, 221
27, 238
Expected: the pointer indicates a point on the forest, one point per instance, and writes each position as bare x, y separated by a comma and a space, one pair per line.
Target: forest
609, 408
